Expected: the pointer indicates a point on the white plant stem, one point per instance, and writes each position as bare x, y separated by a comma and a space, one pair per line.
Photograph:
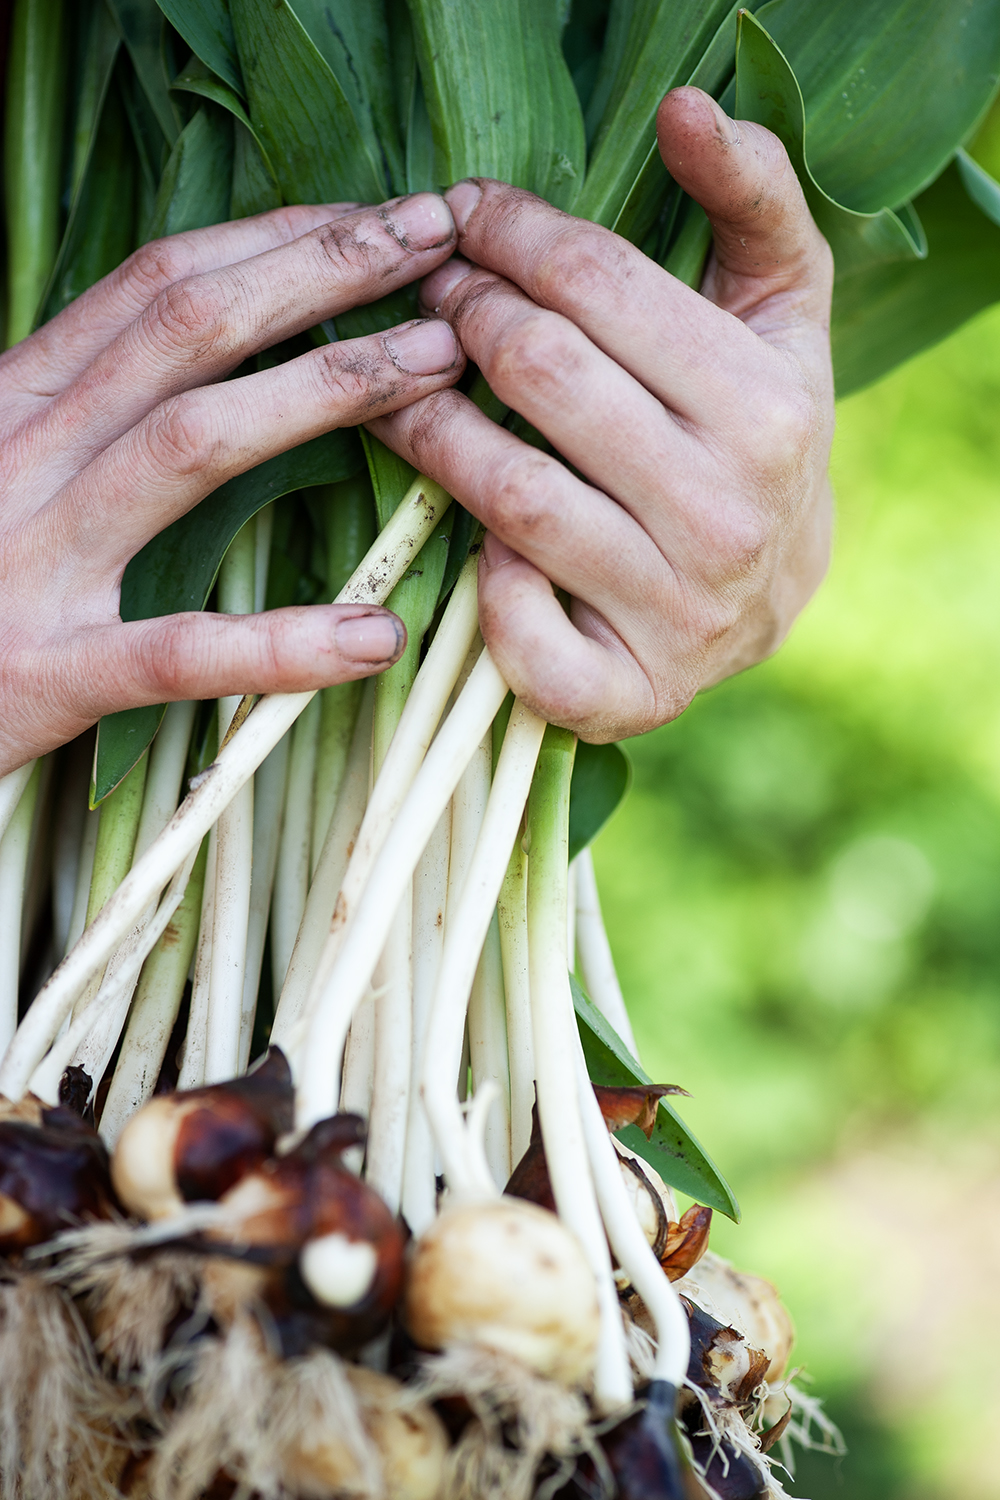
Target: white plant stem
359, 1061
597, 967
154, 1011
424, 707
167, 760
234, 849
263, 531
84, 875
291, 881
341, 839
407, 530
488, 1051
192, 1069
14, 849
468, 920
393, 986
512, 914
555, 1043
629, 1242
340, 985
93, 1036
268, 802
430, 892
571, 917
11, 789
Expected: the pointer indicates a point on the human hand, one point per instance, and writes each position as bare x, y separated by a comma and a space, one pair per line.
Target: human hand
112, 425
701, 424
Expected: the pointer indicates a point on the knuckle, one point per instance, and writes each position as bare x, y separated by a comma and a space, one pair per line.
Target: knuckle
429, 423
353, 379
179, 436
164, 657
534, 354
191, 314
785, 429
578, 266
340, 245
154, 266
526, 496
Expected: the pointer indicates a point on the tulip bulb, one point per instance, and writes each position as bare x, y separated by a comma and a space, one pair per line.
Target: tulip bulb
507, 1276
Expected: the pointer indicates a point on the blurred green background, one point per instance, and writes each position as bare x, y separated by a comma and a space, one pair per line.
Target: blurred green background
803, 895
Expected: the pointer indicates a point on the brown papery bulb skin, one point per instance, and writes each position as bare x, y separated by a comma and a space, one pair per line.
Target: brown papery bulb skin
191, 1147
747, 1303
505, 1275
292, 1213
52, 1176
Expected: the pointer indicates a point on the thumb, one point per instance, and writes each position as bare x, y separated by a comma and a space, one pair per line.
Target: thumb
771, 267
202, 655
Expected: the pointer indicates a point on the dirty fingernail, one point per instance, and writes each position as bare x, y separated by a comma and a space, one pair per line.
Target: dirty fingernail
435, 287
497, 552
462, 200
420, 222
426, 348
370, 639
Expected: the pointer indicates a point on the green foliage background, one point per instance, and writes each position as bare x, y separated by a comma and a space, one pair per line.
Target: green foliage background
803, 896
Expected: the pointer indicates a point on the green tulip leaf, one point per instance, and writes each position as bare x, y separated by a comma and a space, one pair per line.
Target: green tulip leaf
141, 26
602, 774
768, 92
884, 315
675, 1153
892, 87
499, 95
196, 186
300, 111
207, 28
254, 185
176, 570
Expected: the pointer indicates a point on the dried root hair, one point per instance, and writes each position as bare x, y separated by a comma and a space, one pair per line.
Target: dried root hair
269, 1423
806, 1424
59, 1430
129, 1300
724, 1423
520, 1420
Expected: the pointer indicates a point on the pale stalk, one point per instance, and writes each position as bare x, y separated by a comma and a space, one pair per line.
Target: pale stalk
84, 873
291, 880
359, 1061
425, 705
167, 762
234, 850
468, 920
556, 1040
488, 1051
571, 917
597, 966
38, 873
192, 1069
93, 1035
430, 891
405, 534
338, 714
113, 854
155, 1007
14, 848
341, 838
393, 985
11, 788
268, 802
340, 985
628, 1240
263, 531
512, 914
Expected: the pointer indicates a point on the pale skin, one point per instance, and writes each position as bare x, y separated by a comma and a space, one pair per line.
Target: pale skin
701, 422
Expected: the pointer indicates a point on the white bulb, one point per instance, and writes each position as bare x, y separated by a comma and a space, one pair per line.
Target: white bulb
338, 1271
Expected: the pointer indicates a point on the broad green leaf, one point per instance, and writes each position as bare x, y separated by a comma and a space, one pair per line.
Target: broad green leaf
982, 188
254, 185
196, 186
884, 315
768, 93
652, 46
152, 146
353, 37
675, 1153
96, 46
207, 28
141, 25
602, 774
300, 112
102, 225
499, 95
892, 87
176, 570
